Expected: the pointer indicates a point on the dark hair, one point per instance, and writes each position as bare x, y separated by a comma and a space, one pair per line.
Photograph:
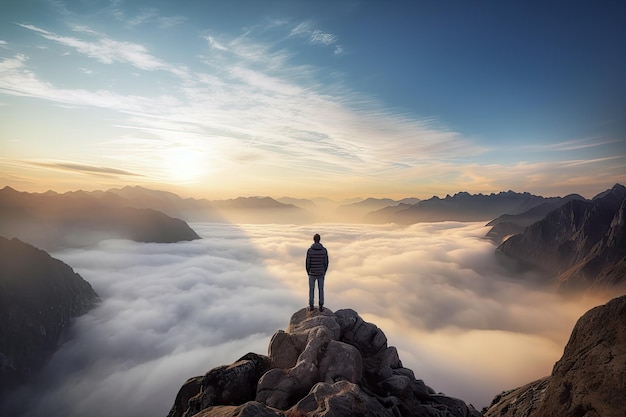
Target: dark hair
316, 237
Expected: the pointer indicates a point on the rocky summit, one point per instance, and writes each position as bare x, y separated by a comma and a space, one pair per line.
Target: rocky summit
323, 364
588, 381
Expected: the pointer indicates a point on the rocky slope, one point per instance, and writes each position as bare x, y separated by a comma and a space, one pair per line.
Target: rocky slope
52, 221
588, 381
511, 224
324, 364
39, 296
582, 243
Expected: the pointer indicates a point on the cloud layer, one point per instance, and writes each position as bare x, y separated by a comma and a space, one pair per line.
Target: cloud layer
172, 311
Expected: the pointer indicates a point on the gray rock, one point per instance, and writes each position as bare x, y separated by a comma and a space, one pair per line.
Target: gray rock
249, 409
190, 389
282, 350
230, 384
341, 361
338, 400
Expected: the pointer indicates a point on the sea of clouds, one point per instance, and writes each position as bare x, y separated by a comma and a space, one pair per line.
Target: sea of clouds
460, 320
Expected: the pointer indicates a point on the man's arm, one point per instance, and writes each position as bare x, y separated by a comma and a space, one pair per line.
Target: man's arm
325, 261
307, 263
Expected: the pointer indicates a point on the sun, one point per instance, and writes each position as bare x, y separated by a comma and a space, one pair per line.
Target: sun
184, 164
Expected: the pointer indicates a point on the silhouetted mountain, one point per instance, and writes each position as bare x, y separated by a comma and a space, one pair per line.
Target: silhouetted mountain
359, 211
237, 210
511, 224
299, 202
324, 364
188, 209
384, 214
467, 207
52, 220
587, 381
260, 210
582, 243
39, 295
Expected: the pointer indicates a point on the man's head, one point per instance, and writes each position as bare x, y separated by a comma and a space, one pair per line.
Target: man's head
316, 238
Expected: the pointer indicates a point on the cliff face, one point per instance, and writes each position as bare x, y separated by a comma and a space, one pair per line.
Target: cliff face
39, 295
583, 243
52, 221
588, 381
324, 364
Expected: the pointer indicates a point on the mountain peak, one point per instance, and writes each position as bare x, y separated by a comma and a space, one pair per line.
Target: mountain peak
618, 191
323, 364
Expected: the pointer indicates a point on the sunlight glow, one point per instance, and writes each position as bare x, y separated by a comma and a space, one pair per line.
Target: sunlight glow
184, 165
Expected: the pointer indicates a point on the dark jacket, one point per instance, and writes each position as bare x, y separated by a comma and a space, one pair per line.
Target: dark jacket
316, 260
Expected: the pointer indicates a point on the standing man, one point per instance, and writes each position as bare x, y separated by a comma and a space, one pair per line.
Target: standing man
316, 267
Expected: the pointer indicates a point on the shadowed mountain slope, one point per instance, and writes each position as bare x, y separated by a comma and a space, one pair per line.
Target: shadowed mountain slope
39, 296
512, 224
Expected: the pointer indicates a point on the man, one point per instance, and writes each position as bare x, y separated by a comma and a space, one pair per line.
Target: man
316, 267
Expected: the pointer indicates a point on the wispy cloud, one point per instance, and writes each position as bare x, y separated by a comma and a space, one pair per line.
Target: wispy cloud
153, 16
572, 145
317, 36
107, 50
213, 43
86, 168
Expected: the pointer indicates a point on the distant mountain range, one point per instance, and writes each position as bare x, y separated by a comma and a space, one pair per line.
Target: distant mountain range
462, 207
582, 243
39, 296
578, 241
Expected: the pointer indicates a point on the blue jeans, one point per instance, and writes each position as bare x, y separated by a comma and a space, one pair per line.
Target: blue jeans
320, 286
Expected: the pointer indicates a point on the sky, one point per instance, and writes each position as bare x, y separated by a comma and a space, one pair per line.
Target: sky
169, 312
220, 99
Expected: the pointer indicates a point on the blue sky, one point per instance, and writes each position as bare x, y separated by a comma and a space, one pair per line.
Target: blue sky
307, 98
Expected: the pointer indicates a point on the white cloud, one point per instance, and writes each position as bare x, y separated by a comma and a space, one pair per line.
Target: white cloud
213, 43
172, 311
106, 50
317, 36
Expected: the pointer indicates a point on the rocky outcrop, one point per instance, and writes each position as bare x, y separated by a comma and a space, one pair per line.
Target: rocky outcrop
582, 244
590, 378
52, 221
39, 296
323, 364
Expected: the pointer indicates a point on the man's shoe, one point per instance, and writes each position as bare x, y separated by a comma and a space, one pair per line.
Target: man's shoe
311, 308
321, 307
